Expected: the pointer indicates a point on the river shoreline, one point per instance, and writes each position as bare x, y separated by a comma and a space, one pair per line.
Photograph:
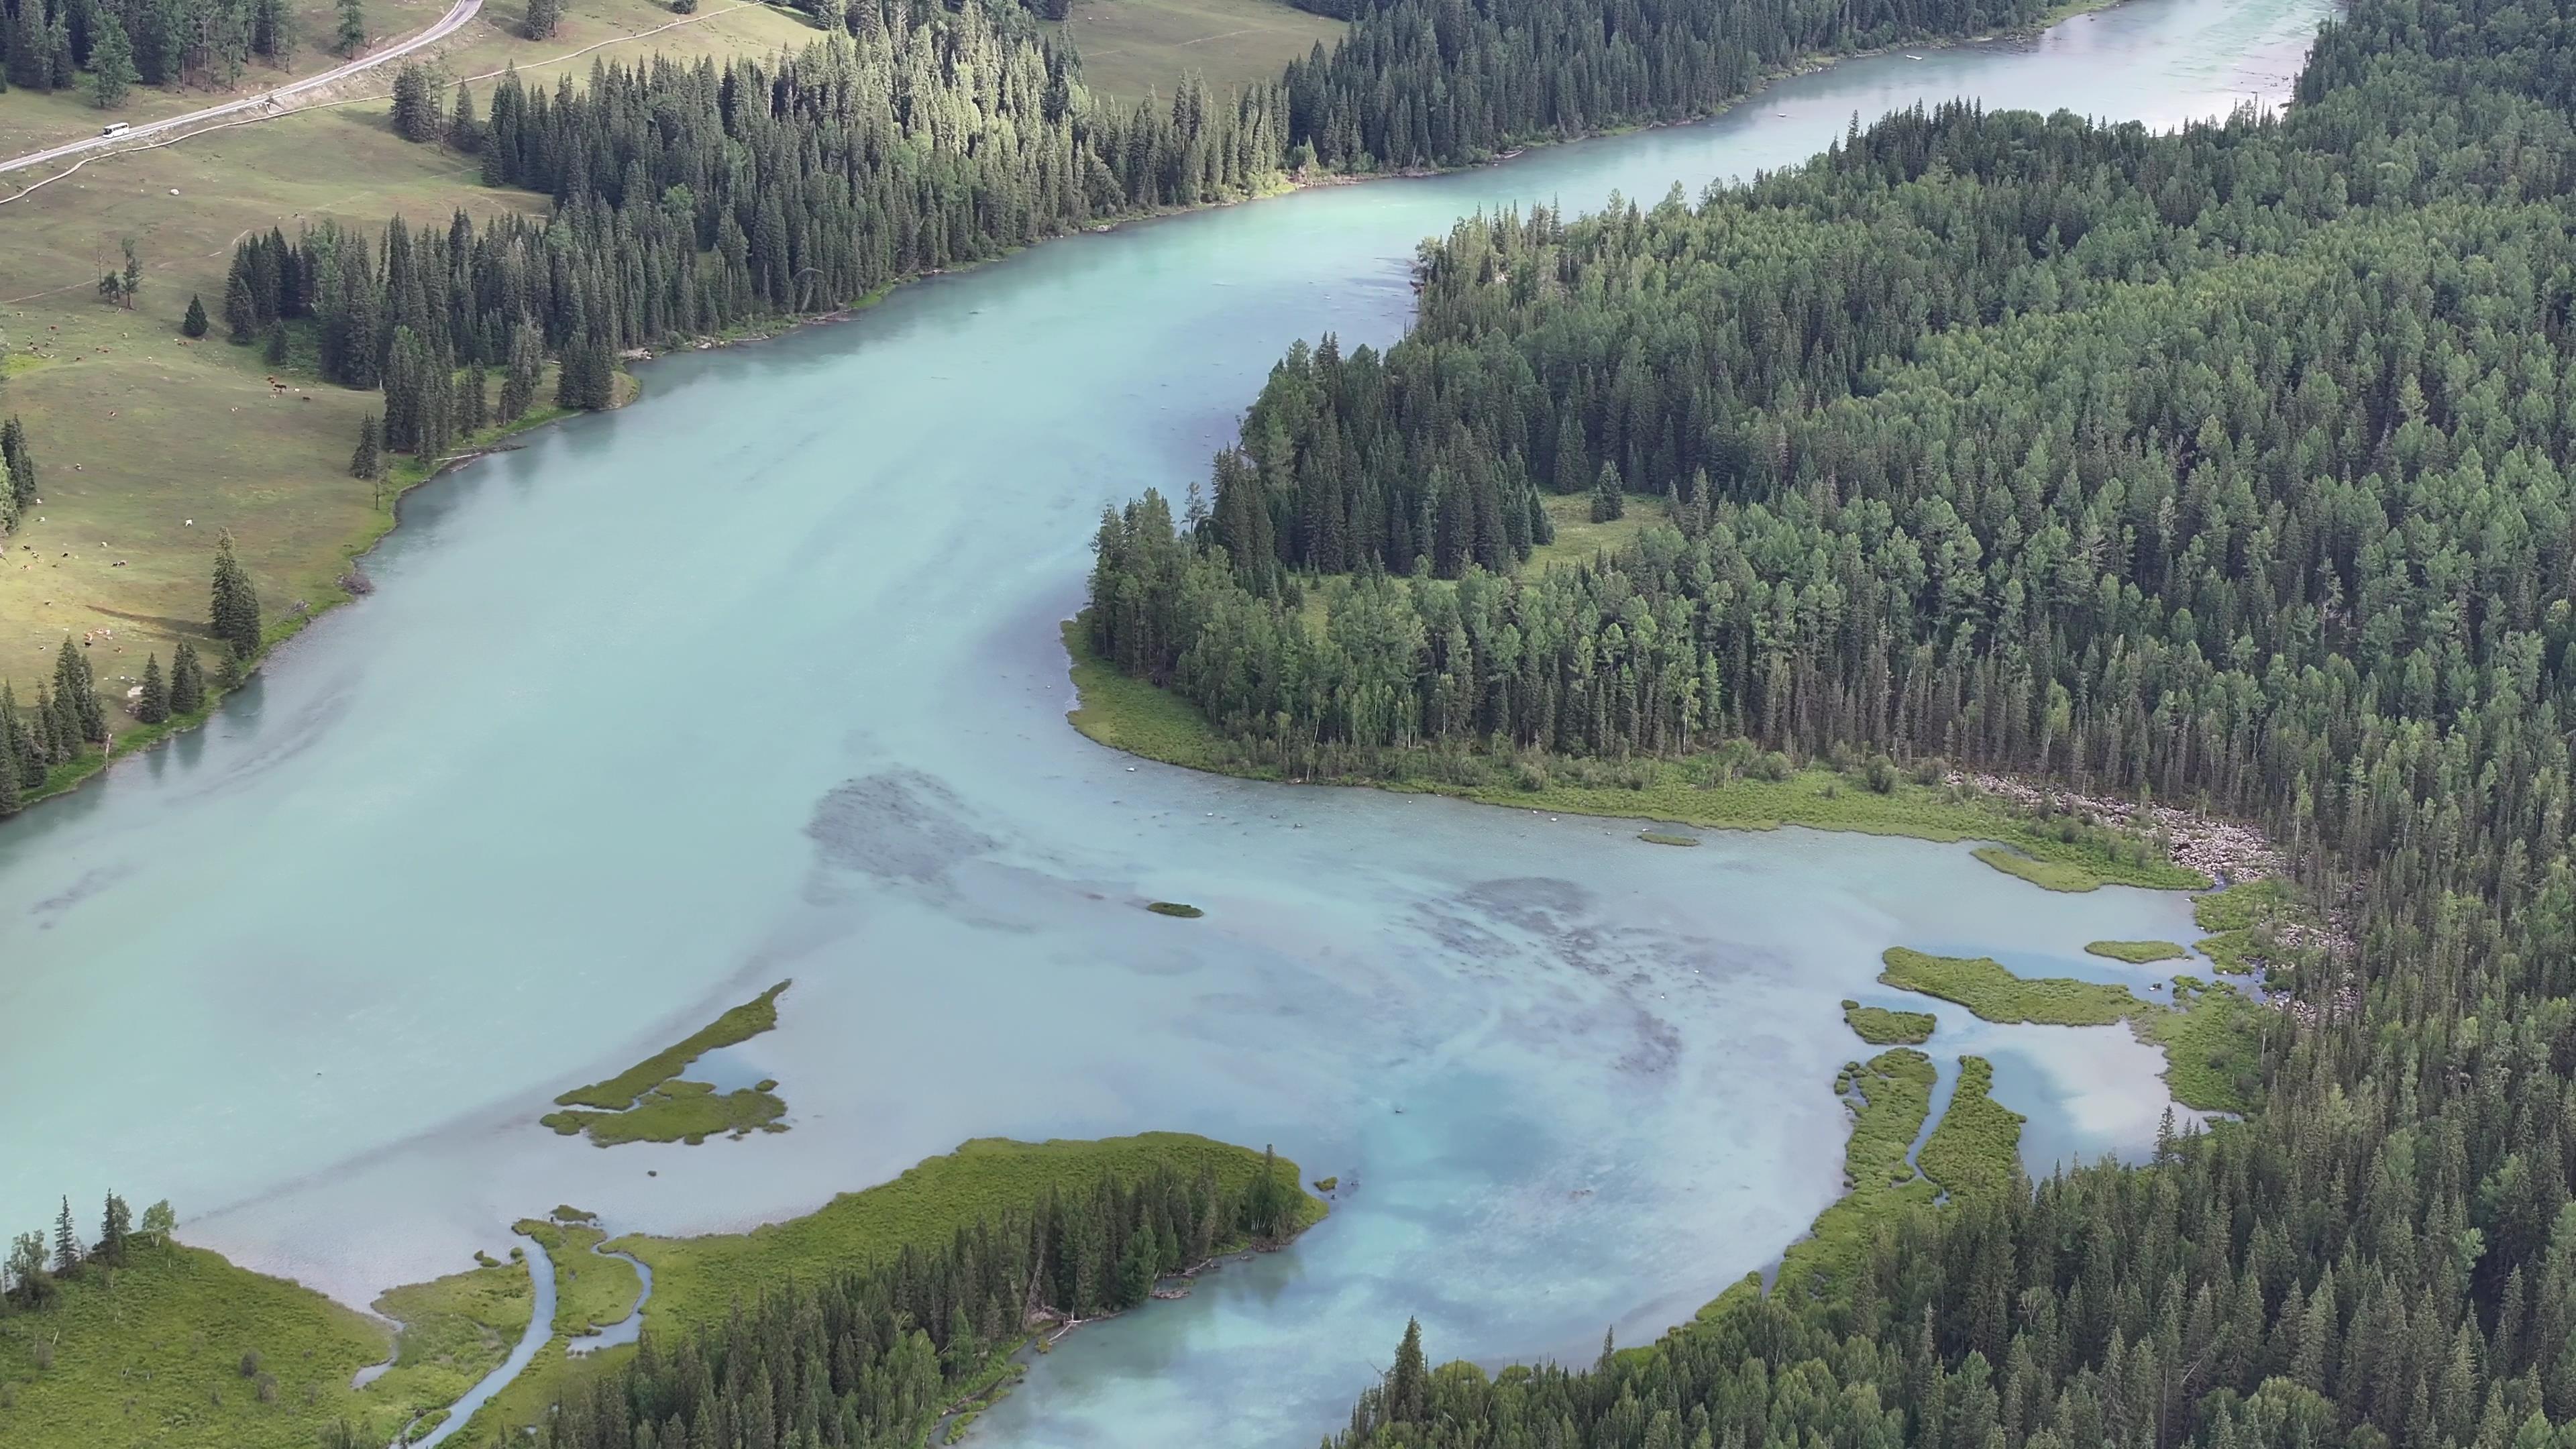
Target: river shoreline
412, 475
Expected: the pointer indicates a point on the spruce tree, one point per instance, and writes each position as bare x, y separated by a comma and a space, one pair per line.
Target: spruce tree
67, 1253
241, 312
154, 706
187, 680
368, 462
352, 36
1609, 498
275, 353
543, 17
77, 691
25, 747
1408, 1384
115, 1225
463, 131
234, 615
22, 462
111, 61
194, 324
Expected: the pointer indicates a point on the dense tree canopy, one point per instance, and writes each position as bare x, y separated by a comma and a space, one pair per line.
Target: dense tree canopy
2227, 466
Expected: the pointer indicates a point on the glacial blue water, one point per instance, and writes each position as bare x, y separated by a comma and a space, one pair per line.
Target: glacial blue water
760, 678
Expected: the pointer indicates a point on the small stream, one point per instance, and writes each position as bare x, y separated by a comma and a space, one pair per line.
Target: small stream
624, 1330
541, 1326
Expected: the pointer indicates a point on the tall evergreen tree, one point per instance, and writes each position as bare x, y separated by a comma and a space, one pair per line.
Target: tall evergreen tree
111, 58
154, 705
234, 613
187, 680
195, 323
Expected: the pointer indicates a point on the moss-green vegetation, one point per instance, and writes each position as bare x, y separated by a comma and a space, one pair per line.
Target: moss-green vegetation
648, 1102
180, 1347
1666, 837
1327, 1184
2244, 923
1731, 788
1977, 1146
592, 1290
2048, 875
1889, 1095
678, 1111
2213, 1041
455, 1330
1881, 1027
1983, 986
737, 1025
1175, 908
2211, 1035
2136, 953
697, 1280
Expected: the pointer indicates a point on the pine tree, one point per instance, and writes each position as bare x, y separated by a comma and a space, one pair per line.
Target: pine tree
77, 690
22, 462
115, 1225
187, 681
368, 462
131, 281
67, 1253
195, 323
463, 131
275, 353
24, 746
1609, 499
1408, 1384
352, 36
154, 706
543, 17
416, 113
241, 311
111, 61
234, 615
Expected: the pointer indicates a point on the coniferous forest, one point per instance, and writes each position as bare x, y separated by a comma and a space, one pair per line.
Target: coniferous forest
883, 1352
697, 199
2227, 467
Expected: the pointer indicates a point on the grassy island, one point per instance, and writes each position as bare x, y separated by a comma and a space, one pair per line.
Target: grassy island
650, 1102
1881, 1027
2211, 1036
2136, 953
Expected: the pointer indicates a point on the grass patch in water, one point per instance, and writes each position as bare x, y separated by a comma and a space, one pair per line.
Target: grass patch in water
1881, 1027
649, 1101
2136, 953
1982, 985
1175, 908
1717, 789
2048, 875
592, 1290
1977, 1147
678, 1111
1889, 1095
737, 1025
1666, 837
2211, 1035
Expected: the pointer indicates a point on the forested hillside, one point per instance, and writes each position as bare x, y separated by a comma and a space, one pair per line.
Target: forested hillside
1442, 82
2225, 467
695, 200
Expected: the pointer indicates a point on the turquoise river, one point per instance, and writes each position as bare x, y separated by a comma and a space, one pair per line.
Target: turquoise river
760, 678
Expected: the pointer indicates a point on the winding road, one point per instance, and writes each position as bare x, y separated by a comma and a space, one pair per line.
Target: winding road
270, 100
